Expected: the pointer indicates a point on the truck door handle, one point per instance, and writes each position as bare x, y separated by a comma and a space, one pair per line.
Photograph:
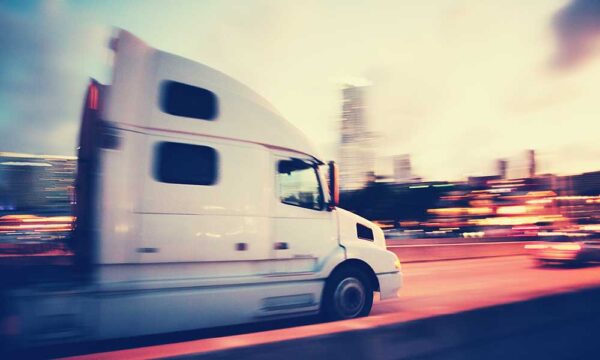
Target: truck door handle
281, 246
148, 250
241, 246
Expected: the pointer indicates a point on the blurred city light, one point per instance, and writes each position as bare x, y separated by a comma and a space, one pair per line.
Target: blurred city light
463, 130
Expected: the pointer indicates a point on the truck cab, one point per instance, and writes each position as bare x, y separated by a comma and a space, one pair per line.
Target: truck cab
199, 205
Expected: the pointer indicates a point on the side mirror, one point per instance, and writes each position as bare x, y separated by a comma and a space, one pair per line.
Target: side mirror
334, 185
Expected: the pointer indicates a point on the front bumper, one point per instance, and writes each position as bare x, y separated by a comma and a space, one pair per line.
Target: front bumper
389, 285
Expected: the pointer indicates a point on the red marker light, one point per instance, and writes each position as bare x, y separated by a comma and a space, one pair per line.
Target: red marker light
93, 97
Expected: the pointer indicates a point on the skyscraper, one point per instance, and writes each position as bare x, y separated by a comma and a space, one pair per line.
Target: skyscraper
402, 168
531, 163
357, 158
502, 168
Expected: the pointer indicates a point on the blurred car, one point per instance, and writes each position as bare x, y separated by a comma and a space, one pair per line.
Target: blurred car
566, 249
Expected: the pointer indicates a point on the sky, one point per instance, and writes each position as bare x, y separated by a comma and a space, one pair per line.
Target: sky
457, 84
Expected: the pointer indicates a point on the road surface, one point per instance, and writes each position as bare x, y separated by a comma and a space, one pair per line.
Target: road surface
443, 287
431, 288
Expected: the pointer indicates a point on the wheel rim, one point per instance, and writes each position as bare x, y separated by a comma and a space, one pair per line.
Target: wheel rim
350, 297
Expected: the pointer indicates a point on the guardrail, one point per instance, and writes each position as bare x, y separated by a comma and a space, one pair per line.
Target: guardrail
459, 240
437, 252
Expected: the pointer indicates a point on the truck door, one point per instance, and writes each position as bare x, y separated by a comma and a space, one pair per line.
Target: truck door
304, 231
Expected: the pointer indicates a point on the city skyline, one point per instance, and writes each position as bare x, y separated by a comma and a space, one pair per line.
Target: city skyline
455, 86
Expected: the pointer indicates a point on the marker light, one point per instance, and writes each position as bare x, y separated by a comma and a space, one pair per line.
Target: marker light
93, 97
397, 264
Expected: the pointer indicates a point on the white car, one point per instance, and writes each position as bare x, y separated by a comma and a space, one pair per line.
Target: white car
562, 249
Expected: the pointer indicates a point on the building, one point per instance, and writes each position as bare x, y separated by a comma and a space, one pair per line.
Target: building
531, 163
357, 156
402, 169
502, 168
36, 183
583, 184
481, 182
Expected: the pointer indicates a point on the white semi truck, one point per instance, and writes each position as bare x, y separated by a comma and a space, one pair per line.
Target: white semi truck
198, 205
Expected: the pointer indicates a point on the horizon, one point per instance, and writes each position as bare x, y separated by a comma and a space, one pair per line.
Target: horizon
457, 86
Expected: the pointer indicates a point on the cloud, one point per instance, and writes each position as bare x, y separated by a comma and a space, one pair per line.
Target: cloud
577, 29
42, 69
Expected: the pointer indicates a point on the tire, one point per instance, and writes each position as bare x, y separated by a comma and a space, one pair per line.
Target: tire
348, 294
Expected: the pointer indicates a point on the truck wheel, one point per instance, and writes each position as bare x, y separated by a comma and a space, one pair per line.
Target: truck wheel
348, 294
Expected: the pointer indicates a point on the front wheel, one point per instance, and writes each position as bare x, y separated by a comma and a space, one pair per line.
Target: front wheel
348, 294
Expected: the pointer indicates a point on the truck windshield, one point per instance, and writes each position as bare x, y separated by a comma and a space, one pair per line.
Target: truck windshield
298, 184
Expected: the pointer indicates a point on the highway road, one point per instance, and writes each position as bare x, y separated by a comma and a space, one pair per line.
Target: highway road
431, 288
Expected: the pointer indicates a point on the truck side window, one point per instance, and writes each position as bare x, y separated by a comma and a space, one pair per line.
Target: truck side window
298, 184
364, 232
185, 100
188, 164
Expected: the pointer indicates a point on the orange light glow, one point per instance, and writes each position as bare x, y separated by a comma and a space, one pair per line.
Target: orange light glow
461, 211
512, 210
548, 193
516, 220
535, 246
18, 217
36, 227
539, 201
28, 222
383, 225
54, 219
567, 247
479, 211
